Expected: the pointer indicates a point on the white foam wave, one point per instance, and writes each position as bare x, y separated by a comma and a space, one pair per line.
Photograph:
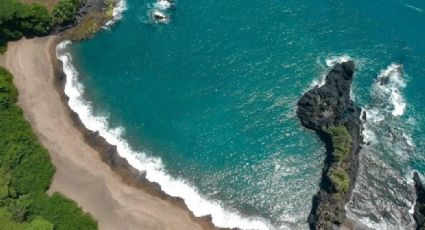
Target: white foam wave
158, 11
412, 210
390, 83
162, 5
331, 61
324, 68
153, 167
414, 8
119, 8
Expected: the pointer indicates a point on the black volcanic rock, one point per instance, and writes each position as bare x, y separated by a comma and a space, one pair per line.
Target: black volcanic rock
328, 106
419, 209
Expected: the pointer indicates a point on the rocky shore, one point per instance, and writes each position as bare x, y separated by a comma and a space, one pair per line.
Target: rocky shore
329, 111
91, 18
419, 208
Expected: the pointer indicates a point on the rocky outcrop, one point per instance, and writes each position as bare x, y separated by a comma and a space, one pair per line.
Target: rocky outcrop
419, 209
91, 18
329, 111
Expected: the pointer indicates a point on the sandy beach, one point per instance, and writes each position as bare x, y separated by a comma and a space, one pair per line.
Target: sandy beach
81, 174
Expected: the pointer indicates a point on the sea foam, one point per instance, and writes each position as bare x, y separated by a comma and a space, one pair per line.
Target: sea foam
331, 61
414, 8
162, 5
393, 74
120, 7
383, 201
326, 66
198, 204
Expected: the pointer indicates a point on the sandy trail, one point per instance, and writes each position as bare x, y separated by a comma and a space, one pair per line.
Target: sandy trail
80, 173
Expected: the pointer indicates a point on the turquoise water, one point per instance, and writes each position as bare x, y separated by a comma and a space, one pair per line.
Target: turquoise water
213, 95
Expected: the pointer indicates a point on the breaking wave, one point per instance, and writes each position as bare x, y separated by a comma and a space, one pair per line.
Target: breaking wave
120, 7
390, 84
324, 67
198, 204
414, 8
158, 12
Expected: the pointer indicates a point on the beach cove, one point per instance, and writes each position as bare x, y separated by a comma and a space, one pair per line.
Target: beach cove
81, 173
187, 120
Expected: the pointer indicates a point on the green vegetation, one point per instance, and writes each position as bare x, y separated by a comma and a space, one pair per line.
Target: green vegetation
18, 19
7, 222
66, 10
341, 144
340, 179
2, 47
26, 173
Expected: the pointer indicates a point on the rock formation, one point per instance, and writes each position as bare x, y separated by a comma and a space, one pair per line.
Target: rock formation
419, 209
329, 111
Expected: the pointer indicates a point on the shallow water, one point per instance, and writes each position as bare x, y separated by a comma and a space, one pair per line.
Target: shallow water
209, 99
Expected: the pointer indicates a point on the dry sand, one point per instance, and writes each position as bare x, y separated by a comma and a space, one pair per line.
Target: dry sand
80, 173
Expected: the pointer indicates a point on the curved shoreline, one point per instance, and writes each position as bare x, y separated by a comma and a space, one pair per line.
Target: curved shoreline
108, 152
114, 199
146, 171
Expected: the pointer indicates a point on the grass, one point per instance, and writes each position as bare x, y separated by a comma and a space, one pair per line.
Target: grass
26, 173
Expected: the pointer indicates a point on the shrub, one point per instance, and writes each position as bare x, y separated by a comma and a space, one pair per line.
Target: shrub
340, 179
62, 212
7, 223
65, 11
341, 142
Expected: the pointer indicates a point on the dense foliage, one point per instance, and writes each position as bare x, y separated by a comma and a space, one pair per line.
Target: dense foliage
340, 179
7, 222
341, 148
26, 173
341, 142
65, 11
18, 19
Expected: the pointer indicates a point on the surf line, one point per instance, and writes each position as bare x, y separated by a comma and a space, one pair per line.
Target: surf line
196, 202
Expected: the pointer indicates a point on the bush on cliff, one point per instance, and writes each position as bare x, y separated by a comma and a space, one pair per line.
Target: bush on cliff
26, 173
66, 10
341, 142
341, 149
340, 179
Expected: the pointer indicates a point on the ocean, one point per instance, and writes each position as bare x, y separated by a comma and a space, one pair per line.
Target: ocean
204, 102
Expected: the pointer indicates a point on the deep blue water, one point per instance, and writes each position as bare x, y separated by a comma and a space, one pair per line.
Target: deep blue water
213, 94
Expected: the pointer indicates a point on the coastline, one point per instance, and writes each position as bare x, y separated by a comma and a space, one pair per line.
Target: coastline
116, 194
